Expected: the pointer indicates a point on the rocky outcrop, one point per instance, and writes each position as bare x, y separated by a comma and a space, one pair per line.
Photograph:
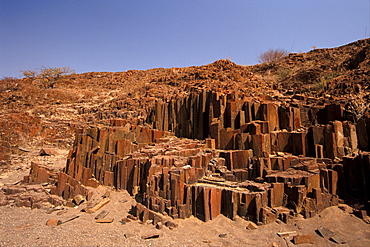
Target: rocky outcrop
261, 160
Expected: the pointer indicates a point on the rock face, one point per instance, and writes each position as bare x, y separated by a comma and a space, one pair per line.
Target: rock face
261, 160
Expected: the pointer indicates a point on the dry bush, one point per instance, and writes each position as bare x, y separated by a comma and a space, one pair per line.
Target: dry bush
358, 104
272, 55
47, 75
8, 84
300, 206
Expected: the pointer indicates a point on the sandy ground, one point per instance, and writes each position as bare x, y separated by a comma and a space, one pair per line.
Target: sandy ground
20, 226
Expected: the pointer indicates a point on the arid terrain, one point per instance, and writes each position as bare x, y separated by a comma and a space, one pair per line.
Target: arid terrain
62, 129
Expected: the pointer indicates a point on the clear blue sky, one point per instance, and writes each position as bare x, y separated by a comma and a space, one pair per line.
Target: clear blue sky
118, 35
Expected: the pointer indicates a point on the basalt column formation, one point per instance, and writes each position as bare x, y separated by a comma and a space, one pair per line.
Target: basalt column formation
214, 153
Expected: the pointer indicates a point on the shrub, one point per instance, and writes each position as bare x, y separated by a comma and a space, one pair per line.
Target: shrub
323, 80
49, 76
8, 84
358, 104
283, 73
327, 77
272, 55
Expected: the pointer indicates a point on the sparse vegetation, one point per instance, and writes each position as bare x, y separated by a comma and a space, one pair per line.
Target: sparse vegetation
320, 86
283, 73
8, 84
47, 75
358, 104
300, 206
272, 55
324, 79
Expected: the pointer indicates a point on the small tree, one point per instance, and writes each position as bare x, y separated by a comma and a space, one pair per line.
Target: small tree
49, 76
29, 73
272, 55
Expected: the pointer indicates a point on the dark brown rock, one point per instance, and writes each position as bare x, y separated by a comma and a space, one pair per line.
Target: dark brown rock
303, 239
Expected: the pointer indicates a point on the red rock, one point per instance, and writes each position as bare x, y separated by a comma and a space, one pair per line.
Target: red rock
170, 224
251, 226
53, 222
3, 202
48, 152
92, 182
150, 236
303, 239
13, 190
131, 217
104, 220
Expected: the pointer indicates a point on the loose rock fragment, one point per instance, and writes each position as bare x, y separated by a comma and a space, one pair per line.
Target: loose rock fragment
325, 232
131, 217
101, 204
78, 199
150, 236
129, 235
126, 220
101, 215
106, 194
53, 222
159, 225
274, 244
48, 152
70, 218
303, 239
70, 204
251, 226
170, 224
287, 234
104, 220
328, 234
336, 239
21, 227
62, 212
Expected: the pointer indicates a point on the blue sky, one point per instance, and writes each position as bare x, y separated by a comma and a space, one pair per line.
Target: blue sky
119, 35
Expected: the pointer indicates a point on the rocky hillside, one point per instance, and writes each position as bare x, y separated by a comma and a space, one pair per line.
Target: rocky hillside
338, 71
35, 115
